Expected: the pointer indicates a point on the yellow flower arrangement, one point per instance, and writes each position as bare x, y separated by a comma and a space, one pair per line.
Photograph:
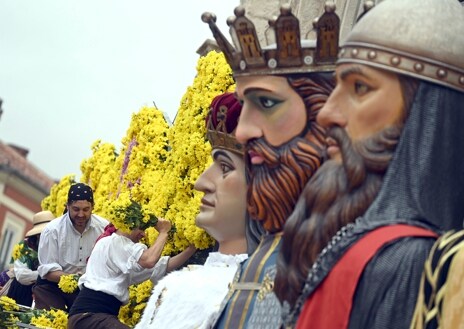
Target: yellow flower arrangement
8, 304
98, 171
8, 309
54, 318
26, 255
190, 152
155, 170
12, 313
138, 296
127, 214
68, 283
17, 250
56, 200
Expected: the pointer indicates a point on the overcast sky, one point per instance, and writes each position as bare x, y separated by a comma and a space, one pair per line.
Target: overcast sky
72, 72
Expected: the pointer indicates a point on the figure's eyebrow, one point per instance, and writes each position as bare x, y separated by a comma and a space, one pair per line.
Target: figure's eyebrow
351, 70
251, 90
219, 153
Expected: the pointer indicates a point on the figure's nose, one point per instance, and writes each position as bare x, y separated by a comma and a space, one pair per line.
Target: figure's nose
248, 127
331, 114
204, 183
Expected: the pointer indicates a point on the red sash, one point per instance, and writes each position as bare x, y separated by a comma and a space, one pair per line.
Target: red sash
329, 307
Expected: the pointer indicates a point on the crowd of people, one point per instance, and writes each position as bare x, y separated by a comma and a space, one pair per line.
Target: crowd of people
335, 194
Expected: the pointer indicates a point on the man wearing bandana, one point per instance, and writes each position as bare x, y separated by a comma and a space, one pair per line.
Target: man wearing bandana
64, 247
355, 246
282, 87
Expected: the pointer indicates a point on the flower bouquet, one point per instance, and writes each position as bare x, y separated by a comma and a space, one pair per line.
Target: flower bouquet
25, 254
13, 315
68, 283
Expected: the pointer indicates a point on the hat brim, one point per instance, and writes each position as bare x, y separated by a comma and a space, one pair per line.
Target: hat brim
37, 229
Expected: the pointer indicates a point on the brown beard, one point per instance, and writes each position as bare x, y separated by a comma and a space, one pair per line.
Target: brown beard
274, 186
277, 183
336, 195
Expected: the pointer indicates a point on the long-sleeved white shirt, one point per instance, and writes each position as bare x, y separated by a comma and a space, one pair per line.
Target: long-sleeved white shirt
113, 267
24, 274
63, 248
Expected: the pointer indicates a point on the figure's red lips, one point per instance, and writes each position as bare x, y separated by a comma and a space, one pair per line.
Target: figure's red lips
255, 158
332, 147
330, 142
207, 203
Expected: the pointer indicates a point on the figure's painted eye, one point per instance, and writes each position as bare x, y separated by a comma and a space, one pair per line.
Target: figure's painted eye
225, 167
361, 88
267, 102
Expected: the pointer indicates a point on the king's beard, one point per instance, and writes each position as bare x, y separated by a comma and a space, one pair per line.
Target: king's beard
275, 185
336, 195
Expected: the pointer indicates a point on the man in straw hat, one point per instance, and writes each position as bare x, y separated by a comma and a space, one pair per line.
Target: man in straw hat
65, 245
354, 249
26, 262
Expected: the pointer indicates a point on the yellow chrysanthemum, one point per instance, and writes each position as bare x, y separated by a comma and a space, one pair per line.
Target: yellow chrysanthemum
42, 321
17, 251
60, 319
8, 304
68, 283
156, 167
56, 201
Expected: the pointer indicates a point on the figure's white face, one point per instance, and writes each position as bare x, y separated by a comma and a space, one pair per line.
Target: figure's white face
272, 109
364, 102
223, 206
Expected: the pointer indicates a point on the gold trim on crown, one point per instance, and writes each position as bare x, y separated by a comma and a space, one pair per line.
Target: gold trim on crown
289, 54
420, 39
218, 137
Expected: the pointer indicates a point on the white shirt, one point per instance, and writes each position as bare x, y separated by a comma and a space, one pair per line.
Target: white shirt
63, 248
24, 274
191, 297
113, 267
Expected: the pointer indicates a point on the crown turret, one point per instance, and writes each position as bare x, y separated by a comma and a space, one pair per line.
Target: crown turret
289, 53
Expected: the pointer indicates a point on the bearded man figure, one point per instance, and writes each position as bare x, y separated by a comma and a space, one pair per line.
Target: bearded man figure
282, 88
354, 249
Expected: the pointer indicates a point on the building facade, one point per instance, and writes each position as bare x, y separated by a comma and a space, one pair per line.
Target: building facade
22, 188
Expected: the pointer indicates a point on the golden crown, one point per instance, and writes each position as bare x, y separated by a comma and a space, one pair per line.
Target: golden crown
288, 53
218, 136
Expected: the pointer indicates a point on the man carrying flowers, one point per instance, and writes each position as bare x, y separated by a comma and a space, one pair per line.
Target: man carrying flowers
118, 261
64, 247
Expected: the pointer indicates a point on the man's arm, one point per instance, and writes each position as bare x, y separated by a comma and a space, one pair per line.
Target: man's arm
24, 274
179, 259
151, 255
48, 253
54, 276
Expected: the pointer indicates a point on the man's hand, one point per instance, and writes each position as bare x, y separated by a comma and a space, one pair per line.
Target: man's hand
163, 225
152, 255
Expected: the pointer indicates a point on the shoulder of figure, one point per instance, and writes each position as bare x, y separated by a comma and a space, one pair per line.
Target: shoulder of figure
403, 254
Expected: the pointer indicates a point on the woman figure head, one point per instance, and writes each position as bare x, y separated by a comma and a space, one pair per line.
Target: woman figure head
223, 206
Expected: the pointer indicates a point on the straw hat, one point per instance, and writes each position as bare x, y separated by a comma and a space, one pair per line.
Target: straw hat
40, 220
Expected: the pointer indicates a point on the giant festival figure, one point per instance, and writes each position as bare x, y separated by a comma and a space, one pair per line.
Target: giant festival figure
190, 298
354, 249
282, 87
